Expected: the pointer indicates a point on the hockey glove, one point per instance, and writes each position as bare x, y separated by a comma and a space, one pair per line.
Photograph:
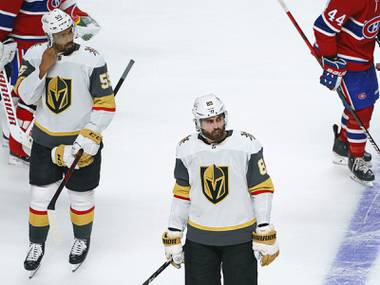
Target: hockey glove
8, 50
173, 247
333, 71
89, 141
265, 245
61, 155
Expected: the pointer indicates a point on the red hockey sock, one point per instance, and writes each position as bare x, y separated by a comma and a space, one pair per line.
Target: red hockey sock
343, 126
343, 135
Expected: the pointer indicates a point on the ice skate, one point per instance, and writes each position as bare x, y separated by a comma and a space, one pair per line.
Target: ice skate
340, 150
33, 259
78, 252
360, 171
18, 161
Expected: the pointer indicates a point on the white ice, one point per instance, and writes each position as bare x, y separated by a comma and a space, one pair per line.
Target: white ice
249, 54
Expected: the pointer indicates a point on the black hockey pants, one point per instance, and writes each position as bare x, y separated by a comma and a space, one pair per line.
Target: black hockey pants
203, 264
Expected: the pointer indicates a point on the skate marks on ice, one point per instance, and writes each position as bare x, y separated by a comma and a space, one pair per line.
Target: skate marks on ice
358, 251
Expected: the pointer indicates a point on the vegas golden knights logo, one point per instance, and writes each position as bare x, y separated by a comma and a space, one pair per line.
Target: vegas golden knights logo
214, 182
58, 94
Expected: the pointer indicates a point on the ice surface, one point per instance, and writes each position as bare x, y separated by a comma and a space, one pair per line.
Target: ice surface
249, 54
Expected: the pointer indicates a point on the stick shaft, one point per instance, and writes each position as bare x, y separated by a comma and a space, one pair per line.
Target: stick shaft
157, 272
123, 76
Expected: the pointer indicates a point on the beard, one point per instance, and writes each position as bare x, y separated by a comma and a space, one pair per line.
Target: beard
216, 135
66, 49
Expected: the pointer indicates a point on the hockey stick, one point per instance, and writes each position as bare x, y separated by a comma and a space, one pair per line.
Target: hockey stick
339, 90
53, 201
158, 271
123, 76
6, 98
51, 207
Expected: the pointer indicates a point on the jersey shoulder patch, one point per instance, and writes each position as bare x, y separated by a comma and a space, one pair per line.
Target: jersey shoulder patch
91, 51
91, 57
248, 142
184, 140
185, 145
247, 135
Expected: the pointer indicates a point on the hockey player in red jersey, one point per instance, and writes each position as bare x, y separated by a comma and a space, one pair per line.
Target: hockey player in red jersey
345, 40
20, 23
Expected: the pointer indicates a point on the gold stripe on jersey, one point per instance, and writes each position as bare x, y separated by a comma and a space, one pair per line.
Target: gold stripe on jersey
18, 82
263, 187
222, 229
181, 191
55, 134
106, 103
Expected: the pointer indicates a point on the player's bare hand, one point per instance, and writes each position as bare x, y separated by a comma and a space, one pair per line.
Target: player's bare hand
49, 58
378, 66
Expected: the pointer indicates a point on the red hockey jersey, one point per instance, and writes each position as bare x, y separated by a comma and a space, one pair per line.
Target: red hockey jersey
21, 19
348, 29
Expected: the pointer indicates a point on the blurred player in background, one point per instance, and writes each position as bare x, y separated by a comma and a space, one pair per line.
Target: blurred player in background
346, 34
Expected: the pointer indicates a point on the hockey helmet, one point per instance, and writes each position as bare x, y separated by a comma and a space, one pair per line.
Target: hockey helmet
207, 106
54, 22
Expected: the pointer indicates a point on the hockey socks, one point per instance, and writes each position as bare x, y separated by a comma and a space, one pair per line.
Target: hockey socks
38, 226
82, 222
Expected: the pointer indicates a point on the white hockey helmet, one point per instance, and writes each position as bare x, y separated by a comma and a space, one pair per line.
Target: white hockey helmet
54, 22
207, 106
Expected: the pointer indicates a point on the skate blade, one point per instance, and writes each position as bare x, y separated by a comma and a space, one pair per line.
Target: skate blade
15, 161
33, 272
365, 183
75, 267
340, 160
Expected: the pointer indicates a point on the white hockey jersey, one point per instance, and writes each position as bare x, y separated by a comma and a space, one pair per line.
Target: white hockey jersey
75, 93
215, 186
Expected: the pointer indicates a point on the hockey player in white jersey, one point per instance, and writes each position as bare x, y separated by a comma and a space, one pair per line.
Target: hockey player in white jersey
223, 196
69, 84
